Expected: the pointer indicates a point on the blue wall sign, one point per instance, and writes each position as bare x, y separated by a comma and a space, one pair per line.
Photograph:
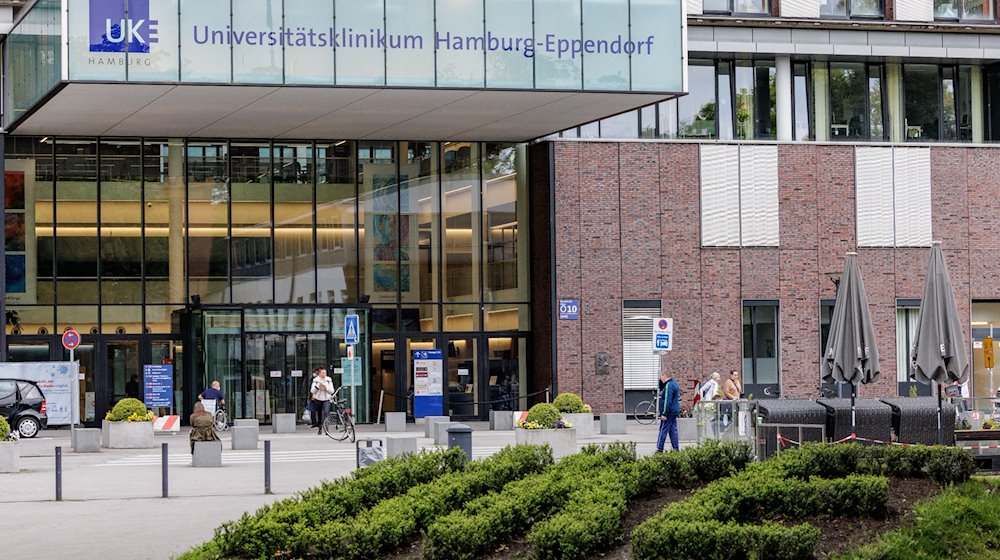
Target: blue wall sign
569, 309
351, 329
158, 385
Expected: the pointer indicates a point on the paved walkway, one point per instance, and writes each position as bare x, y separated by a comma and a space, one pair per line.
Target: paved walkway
112, 504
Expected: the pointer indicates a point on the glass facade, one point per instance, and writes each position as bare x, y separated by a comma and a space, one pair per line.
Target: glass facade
592, 45
126, 239
32, 58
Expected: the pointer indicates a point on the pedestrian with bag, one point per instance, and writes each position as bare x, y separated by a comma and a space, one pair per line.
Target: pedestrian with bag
321, 392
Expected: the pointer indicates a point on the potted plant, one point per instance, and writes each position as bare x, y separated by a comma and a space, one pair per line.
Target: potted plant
10, 453
544, 425
576, 412
128, 426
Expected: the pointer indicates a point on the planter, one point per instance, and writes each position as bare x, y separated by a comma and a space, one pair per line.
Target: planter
127, 435
562, 442
583, 422
10, 457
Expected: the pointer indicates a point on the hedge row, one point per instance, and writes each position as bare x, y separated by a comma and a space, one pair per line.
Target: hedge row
397, 521
788, 487
499, 517
274, 527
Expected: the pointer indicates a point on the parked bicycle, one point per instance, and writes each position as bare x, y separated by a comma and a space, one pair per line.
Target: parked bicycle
646, 412
338, 424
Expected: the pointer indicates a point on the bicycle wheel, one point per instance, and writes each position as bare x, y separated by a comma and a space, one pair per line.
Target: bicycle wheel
645, 412
349, 423
221, 420
335, 426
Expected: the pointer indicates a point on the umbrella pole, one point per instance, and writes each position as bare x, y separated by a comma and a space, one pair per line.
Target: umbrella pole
940, 427
854, 390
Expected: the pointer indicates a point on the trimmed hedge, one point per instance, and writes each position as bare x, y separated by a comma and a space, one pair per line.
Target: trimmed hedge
396, 521
4, 429
275, 527
789, 487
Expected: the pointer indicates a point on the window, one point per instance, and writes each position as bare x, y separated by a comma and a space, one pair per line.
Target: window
760, 342
963, 10
802, 99
762, 7
856, 102
938, 102
825, 318
907, 312
640, 366
851, 9
755, 100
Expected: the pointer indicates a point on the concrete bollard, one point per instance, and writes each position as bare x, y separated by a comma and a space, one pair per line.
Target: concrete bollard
441, 432
283, 423
207, 454
501, 420
87, 440
460, 435
244, 437
247, 422
429, 422
613, 423
397, 445
395, 421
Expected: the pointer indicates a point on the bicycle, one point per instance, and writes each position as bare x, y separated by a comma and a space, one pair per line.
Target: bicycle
221, 419
338, 424
648, 411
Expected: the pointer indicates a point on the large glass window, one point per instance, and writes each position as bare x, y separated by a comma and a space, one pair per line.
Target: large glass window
378, 209
208, 221
755, 100
938, 102
963, 10
121, 234
696, 111
294, 250
856, 101
802, 101
336, 222
761, 350
504, 214
851, 8
420, 210
163, 235
76, 218
32, 58
461, 220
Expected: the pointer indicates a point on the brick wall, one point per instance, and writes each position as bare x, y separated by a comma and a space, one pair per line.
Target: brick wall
628, 227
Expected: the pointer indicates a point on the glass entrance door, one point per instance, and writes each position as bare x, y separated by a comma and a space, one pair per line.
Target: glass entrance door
279, 370
124, 369
461, 379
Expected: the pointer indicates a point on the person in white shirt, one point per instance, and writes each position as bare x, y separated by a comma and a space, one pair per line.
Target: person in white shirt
321, 392
710, 389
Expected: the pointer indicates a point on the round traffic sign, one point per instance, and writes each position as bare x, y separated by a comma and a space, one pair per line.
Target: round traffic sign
70, 339
662, 324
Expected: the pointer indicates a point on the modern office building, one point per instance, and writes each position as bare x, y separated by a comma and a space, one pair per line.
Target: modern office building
512, 182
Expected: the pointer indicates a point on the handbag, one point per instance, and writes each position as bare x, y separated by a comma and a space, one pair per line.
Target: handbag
306, 416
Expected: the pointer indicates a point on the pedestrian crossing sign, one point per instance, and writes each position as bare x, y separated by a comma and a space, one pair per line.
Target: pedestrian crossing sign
351, 330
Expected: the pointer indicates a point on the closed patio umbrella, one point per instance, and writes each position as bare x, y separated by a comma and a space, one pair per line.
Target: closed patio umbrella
939, 354
851, 355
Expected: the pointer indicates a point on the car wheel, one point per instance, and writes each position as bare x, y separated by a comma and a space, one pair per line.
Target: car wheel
27, 427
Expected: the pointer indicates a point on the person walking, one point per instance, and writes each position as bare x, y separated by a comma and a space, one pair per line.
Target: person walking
670, 408
321, 392
710, 388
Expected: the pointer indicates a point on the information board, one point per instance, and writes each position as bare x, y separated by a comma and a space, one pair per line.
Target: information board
158, 385
428, 383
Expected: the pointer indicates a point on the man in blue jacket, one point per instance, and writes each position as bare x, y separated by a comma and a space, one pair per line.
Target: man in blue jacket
670, 408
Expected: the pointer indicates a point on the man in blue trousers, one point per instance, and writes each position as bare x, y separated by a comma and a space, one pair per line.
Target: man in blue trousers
670, 408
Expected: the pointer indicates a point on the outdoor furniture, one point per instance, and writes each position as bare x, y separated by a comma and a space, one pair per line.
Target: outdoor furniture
914, 420
87, 440
207, 454
788, 412
613, 423
395, 421
873, 419
245, 437
397, 445
429, 422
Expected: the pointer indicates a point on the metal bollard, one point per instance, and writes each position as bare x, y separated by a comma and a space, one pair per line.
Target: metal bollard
163, 447
58, 474
460, 436
267, 466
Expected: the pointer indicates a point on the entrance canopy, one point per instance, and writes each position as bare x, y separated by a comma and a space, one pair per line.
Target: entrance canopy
284, 112
507, 70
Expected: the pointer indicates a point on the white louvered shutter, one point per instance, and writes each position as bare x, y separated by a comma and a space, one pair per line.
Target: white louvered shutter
912, 182
759, 196
799, 8
640, 366
874, 196
720, 196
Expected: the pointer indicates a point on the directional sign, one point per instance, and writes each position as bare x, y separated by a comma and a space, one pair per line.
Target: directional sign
158, 385
70, 339
662, 342
351, 329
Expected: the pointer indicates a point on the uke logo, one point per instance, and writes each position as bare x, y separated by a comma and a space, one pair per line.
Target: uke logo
113, 28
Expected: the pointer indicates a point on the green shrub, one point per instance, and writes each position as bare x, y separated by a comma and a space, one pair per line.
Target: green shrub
681, 540
569, 403
961, 523
945, 465
544, 414
4, 429
590, 522
125, 408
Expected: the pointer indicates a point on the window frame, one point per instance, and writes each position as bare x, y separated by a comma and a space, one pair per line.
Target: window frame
958, 101
749, 375
961, 13
732, 11
850, 16
866, 125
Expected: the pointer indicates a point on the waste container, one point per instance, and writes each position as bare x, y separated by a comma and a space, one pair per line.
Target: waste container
788, 412
873, 419
371, 452
915, 420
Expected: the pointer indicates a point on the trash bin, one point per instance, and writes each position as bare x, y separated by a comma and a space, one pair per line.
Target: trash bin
873, 419
460, 435
787, 411
915, 420
369, 453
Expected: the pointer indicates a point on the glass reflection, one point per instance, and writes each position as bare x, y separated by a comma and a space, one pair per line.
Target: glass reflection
251, 261
337, 246
460, 214
294, 251
378, 207
121, 235
418, 222
76, 247
208, 221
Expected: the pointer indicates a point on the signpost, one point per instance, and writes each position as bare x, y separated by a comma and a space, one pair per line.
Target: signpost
158, 386
663, 335
352, 336
988, 356
70, 340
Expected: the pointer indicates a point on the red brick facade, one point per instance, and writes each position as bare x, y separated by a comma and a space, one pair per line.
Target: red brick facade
627, 226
